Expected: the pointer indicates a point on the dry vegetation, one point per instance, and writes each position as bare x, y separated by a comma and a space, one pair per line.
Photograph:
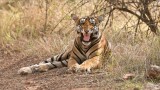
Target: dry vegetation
25, 31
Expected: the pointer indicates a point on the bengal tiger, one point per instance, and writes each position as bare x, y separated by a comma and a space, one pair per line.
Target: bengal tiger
87, 52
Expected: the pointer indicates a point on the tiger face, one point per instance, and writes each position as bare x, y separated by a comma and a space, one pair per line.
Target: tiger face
87, 28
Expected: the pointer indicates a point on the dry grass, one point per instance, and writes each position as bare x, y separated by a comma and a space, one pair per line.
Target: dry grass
22, 32
132, 56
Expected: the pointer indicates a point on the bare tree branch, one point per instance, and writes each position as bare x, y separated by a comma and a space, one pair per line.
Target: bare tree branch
75, 7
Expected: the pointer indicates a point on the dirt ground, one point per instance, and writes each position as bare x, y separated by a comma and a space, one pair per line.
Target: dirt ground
55, 79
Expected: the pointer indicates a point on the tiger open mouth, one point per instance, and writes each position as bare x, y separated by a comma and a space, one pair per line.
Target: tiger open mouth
86, 37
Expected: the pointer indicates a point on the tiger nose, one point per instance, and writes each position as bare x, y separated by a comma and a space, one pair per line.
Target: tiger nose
87, 31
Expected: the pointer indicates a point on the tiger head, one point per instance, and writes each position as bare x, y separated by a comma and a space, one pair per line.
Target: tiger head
87, 27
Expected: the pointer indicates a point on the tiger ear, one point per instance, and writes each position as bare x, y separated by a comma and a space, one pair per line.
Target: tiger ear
74, 17
100, 18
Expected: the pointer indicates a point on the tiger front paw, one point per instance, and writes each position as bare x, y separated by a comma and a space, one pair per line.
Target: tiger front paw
84, 69
74, 68
79, 68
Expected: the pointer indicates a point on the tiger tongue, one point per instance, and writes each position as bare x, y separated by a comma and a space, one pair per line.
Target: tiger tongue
86, 37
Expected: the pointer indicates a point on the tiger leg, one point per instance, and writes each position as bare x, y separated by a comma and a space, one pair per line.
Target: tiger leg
54, 62
72, 64
42, 67
35, 68
89, 64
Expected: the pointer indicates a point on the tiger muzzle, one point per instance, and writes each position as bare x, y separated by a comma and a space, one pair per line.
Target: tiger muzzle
86, 37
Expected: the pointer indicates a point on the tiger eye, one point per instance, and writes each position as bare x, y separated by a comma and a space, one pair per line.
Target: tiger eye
92, 21
82, 20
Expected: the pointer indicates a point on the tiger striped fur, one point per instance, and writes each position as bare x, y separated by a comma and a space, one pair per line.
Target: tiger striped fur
87, 53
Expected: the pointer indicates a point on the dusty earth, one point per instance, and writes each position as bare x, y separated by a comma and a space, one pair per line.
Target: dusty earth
55, 79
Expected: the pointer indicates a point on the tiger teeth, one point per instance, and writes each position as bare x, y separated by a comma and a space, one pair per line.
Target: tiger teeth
86, 43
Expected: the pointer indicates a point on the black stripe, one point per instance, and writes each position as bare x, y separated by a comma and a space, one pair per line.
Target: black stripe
93, 51
60, 57
76, 43
80, 61
63, 64
66, 61
79, 49
57, 57
52, 59
45, 61
94, 43
91, 46
54, 65
68, 55
97, 40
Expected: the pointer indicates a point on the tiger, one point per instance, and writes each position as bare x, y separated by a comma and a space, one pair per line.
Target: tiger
89, 48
